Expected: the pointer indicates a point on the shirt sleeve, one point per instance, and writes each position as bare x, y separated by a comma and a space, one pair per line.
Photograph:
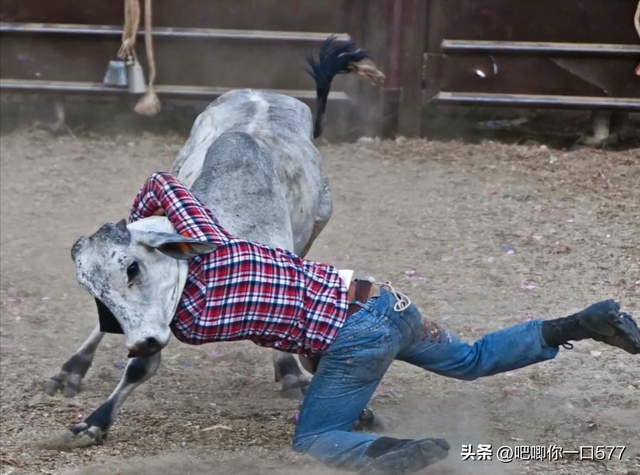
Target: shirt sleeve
185, 212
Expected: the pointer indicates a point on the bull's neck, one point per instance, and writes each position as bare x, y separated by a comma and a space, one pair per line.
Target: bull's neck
181, 280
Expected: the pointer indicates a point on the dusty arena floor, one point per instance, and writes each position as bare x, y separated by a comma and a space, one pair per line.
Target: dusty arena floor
480, 236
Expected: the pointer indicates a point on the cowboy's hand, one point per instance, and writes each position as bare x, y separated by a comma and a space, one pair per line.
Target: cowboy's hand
158, 212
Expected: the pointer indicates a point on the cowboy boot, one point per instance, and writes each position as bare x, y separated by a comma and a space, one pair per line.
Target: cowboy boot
601, 321
403, 456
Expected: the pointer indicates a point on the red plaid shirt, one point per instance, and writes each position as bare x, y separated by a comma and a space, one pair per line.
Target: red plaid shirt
244, 290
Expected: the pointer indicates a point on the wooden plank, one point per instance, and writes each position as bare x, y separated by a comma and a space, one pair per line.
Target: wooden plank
164, 32
540, 48
181, 92
274, 15
630, 104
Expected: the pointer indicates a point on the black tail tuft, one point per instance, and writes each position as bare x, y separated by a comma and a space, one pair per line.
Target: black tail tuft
333, 59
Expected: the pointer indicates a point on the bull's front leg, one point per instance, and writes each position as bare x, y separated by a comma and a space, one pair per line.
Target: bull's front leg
75, 368
94, 429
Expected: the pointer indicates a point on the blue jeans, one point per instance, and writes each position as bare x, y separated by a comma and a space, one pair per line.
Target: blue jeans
370, 339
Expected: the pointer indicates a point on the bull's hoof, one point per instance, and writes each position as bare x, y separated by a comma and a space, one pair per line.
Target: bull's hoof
67, 383
93, 430
84, 435
51, 387
79, 437
70, 377
294, 387
294, 393
368, 422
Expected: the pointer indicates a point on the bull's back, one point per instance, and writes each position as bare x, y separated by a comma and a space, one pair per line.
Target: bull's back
252, 157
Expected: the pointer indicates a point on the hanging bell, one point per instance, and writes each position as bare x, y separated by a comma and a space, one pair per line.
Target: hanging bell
136, 78
116, 74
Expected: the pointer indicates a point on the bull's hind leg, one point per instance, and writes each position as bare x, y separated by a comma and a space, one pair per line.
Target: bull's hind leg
318, 226
288, 374
94, 429
75, 368
285, 366
286, 369
325, 210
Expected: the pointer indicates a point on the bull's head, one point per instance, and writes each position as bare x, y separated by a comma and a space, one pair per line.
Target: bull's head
138, 272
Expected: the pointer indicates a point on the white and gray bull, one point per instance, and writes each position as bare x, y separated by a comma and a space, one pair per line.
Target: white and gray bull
250, 157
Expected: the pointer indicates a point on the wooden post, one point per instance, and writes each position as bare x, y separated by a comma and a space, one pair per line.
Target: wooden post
414, 23
392, 92
369, 19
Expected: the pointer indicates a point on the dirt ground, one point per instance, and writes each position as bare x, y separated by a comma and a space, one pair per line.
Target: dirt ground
480, 236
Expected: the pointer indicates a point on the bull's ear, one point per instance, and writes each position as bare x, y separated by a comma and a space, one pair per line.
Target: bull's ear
174, 245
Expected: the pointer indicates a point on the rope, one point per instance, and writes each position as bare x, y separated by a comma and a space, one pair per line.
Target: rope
130, 29
402, 301
149, 104
148, 42
636, 19
430, 328
636, 22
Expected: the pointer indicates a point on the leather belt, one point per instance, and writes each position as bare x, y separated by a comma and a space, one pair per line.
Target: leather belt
361, 291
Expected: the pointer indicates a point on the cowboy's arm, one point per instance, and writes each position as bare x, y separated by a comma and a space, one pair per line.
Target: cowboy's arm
162, 193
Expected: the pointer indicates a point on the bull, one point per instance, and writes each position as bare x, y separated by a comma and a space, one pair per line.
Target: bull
250, 157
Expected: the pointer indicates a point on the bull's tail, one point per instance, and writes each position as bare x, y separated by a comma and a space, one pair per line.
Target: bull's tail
337, 59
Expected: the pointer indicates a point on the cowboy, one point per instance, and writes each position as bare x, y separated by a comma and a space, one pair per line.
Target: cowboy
355, 328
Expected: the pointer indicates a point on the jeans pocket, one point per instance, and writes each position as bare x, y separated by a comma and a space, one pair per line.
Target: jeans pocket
363, 353
366, 362
360, 329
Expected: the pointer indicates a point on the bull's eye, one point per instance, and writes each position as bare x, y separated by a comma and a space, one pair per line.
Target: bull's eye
132, 271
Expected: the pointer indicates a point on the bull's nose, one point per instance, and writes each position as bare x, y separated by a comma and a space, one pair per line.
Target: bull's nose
145, 348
